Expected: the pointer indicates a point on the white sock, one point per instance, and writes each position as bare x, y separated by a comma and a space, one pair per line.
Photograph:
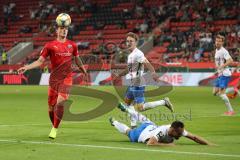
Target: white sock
150, 105
122, 128
132, 119
138, 116
227, 102
229, 90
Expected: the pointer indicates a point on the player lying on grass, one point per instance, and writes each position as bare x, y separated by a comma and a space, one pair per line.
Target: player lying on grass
134, 97
152, 134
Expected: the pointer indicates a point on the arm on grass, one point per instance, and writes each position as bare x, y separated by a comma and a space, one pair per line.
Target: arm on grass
153, 142
198, 139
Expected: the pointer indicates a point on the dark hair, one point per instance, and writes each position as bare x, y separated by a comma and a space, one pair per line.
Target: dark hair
220, 37
177, 124
133, 35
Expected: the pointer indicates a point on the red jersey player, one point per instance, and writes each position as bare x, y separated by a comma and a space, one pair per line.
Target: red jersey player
233, 91
61, 51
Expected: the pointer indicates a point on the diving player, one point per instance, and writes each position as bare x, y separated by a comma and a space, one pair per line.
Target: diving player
151, 134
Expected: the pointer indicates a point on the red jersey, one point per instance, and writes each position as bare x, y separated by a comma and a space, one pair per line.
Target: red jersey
60, 54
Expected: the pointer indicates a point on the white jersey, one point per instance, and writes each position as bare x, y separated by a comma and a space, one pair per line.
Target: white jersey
159, 132
135, 67
221, 55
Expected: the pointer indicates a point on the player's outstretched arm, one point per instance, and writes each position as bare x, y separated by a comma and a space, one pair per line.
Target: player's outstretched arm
198, 139
149, 65
153, 142
35, 64
79, 63
151, 69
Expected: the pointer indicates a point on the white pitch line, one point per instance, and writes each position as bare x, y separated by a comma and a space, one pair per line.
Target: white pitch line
120, 148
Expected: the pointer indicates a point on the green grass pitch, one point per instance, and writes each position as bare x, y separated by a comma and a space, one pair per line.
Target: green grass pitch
24, 128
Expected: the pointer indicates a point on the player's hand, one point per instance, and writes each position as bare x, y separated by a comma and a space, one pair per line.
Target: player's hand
155, 77
22, 70
212, 144
86, 78
115, 76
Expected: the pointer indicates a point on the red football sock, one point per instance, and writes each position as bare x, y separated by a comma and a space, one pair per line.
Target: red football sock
58, 114
51, 116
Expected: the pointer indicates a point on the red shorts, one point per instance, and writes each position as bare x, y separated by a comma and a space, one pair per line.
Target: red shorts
59, 89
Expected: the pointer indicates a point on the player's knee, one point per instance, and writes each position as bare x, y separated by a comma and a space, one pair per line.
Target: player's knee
127, 131
224, 97
139, 107
222, 91
60, 103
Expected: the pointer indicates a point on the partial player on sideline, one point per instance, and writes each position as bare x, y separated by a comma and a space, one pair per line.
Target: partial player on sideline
222, 61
